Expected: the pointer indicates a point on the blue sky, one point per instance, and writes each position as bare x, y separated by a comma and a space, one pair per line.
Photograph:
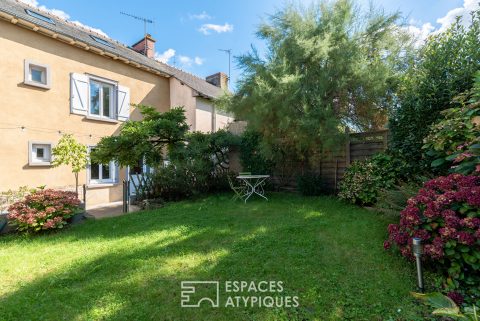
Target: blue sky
195, 30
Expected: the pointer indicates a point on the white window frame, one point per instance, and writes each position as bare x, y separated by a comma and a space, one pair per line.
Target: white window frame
101, 181
33, 161
113, 99
27, 76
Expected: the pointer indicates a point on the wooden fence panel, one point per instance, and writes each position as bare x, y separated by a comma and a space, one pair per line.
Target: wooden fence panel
358, 146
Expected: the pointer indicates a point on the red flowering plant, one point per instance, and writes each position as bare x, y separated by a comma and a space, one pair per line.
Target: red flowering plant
43, 210
445, 214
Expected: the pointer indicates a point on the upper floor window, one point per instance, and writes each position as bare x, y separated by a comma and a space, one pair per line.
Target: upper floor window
101, 99
98, 98
37, 75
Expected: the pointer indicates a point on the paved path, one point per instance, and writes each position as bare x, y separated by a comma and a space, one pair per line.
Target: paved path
108, 210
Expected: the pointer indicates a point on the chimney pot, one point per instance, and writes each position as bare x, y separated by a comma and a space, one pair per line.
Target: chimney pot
219, 79
145, 46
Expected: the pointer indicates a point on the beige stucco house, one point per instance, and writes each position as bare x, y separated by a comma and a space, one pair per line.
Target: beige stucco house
60, 78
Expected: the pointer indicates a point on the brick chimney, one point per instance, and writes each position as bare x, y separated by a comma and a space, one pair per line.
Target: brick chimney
147, 41
219, 79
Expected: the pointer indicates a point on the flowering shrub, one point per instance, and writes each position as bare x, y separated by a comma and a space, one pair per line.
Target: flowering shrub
43, 210
445, 214
363, 181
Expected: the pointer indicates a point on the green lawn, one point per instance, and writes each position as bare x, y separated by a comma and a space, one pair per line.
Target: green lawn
129, 268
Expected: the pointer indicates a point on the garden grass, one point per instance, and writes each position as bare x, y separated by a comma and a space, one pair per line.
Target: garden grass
327, 253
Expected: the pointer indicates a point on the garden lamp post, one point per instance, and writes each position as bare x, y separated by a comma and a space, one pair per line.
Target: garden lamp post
417, 249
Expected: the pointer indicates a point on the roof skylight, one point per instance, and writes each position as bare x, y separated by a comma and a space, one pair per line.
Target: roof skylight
102, 41
39, 16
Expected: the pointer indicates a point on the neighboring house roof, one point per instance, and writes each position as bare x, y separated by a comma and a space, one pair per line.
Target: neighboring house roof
203, 87
113, 49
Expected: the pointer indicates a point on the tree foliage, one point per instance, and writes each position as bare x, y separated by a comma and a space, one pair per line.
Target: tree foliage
444, 68
148, 139
326, 67
197, 161
71, 153
251, 156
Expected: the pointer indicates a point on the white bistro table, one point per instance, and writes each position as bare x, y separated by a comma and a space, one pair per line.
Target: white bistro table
254, 185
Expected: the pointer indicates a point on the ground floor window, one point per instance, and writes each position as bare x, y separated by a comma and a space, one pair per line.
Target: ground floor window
102, 173
39, 154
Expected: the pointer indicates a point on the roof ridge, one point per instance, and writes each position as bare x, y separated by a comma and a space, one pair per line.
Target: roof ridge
84, 34
186, 72
72, 23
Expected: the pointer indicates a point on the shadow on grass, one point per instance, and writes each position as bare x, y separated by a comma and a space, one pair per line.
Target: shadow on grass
328, 254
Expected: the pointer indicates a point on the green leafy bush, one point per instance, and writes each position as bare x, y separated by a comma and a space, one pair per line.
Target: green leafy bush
311, 184
218, 181
443, 69
363, 181
453, 144
198, 166
177, 182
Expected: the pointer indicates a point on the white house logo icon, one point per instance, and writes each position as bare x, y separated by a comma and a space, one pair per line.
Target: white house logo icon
190, 300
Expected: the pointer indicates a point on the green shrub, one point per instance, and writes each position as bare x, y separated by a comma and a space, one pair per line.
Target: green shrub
218, 181
311, 184
453, 142
199, 166
177, 182
363, 181
444, 68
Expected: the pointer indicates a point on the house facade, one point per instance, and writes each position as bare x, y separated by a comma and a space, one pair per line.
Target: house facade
59, 78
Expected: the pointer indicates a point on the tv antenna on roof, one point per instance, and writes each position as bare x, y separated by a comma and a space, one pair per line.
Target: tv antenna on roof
229, 52
145, 20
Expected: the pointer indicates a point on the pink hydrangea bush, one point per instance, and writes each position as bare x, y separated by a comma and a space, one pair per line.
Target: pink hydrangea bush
43, 210
445, 214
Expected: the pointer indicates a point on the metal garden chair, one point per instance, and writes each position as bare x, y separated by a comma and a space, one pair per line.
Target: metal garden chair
239, 190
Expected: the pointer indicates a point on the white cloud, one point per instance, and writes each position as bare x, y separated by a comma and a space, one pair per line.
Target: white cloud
200, 16
56, 12
420, 33
187, 61
33, 3
99, 31
208, 27
464, 12
62, 15
165, 56
199, 61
